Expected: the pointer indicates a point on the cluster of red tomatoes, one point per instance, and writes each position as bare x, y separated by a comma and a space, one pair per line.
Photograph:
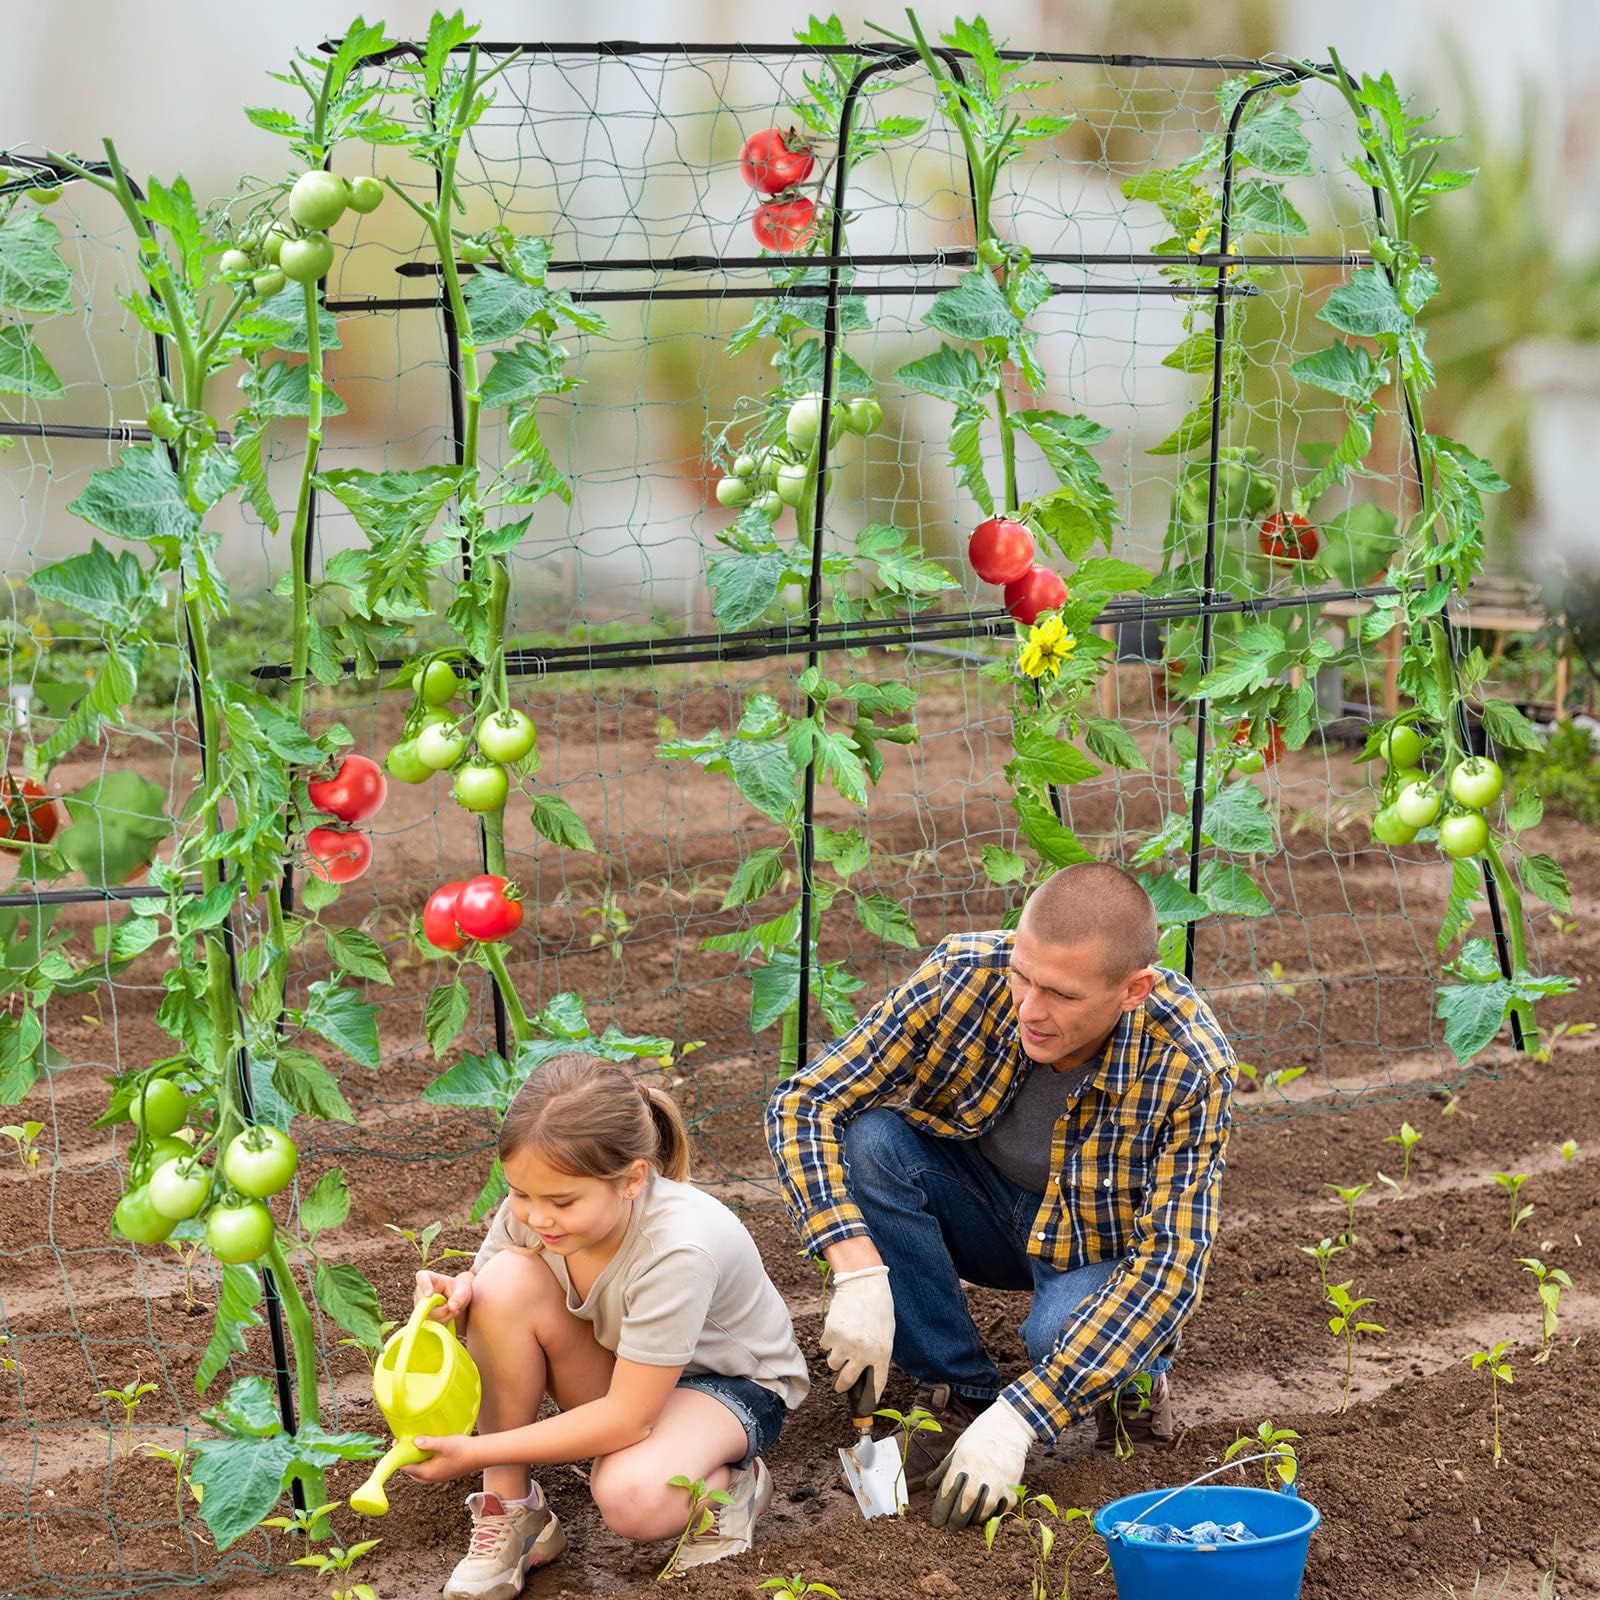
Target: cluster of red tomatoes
175, 1185
1287, 536
355, 793
27, 814
1001, 551
774, 163
485, 908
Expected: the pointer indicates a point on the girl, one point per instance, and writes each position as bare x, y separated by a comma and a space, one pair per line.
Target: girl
639, 1305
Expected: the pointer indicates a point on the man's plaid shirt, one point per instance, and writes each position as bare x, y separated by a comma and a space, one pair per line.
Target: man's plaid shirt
1135, 1163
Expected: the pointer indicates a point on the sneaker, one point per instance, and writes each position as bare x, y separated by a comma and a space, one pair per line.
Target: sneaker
734, 1528
508, 1538
1148, 1427
953, 1412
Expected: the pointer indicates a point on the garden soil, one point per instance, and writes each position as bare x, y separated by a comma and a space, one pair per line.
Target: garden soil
1403, 1475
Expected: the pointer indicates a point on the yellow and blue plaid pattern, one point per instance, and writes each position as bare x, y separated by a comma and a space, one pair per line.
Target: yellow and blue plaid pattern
1135, 1163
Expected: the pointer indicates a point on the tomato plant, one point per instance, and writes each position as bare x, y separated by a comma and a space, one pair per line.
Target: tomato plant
337, 855
785, 225
355, 793
773, 160
488, 908
260, 1161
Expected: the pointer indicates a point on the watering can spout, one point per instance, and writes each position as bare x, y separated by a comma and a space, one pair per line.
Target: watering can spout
424, 1383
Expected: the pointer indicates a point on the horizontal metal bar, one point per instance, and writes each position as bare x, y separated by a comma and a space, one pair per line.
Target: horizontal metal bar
119, 433
87, 895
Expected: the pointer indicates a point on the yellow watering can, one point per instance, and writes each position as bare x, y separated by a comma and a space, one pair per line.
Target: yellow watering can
424, 1382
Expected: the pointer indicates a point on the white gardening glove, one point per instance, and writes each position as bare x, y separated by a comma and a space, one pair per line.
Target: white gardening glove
979, 1478
858, 1335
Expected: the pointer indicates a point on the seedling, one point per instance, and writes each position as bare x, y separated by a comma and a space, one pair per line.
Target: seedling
614, 924
1275, 1079
22, 1137
1408, 1139
371, 1351
1283, 1464
1139, 1384
1322, 1252
336, 1562
1344, 1325
179, 1461
9, 1363
909, 1423
1044, 1524
128, 1397
703, 1504
309, 1524
1275, 982
1552, 1037
1568, 1149
1512, 1183
422, 1243
1349, 1196
186, 1243
1499, 1372
796, 1588
1550, 1281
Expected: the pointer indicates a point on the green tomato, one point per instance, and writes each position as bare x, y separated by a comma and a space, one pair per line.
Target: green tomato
863, 415
305, 260
1389, 828
1251, 761
733, 492
507, 736
1463, 835
136, 1218
163, 421
1401, 746
1417, 805
260, 1161
439, 683
318, 200
161, 1108
366, 195
1403, 777
239, 1234
404, 763
481, 786
1477, 783
268, 283
804, 423
272, 243
234, 261
168, 1148
178, 1189
745, 467
770, 505
440, 745
793, 481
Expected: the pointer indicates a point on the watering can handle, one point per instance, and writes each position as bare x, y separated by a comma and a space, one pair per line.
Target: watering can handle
1216, 1472
414, 1327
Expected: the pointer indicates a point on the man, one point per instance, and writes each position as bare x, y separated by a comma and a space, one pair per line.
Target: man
1043, 1110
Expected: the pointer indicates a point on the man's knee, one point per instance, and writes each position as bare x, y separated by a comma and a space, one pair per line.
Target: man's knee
877, 1145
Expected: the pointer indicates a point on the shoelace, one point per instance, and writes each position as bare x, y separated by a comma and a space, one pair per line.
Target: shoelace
489, 1535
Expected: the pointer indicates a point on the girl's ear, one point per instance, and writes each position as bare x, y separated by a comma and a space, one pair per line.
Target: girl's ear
638, 1176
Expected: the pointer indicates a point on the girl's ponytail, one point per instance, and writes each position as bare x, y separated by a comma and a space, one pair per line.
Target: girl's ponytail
592, 1119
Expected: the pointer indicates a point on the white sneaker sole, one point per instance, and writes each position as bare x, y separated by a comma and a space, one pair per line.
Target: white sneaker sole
551, 1543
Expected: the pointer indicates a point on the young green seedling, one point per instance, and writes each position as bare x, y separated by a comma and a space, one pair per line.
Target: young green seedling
128, 1397
1499, 1372
1141, 1385
422, 1243
1283, 1464
1043, 1524
179, 1461
1343, 1324
1550, 1282
796, 1588
371, 1351
309, 1524
1512, 1183
703, 1503
22, 1136
1568, 1149
909, 1423
1561, 1030
186, 1244
1322, 1252
1349, 1196
614, 924
336, 1562
1408, 1139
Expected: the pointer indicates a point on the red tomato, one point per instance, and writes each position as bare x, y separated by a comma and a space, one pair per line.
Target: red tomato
1000, 550
354, 793
439, 917
1288, 538
27, 814
773, 161
1272, 752
785, 225
336, 855
488, 908
1038, 590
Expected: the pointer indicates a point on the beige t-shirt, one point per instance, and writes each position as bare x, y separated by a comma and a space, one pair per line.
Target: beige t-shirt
685, 1288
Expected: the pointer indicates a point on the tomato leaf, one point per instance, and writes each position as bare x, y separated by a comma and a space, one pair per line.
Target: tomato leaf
140, 498
743, 584
326, 1204
23, 368
1264, 208
559, 823
1273, 142
887, 919
344, 1019
33, 277
757, 875
236, 1301
1053, 839
1544, 876
118, 819
958, 376
774, 989
1230, 891
1472, 1014
344, 1293
241, 1480
445, 1014
975, 308
1113, 744
1347, 370
20, 1039
358, 953
487, 1080
306, 1086
1169, 894
1366, 306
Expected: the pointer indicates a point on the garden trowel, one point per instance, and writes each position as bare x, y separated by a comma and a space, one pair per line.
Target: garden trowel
872, 1466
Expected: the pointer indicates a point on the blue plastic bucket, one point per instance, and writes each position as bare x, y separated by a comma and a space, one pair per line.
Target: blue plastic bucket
1268, 1567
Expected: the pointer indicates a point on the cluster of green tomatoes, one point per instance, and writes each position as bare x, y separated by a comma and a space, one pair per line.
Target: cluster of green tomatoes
435, 740
779, 476
1412, 800
173, 1184
276, 255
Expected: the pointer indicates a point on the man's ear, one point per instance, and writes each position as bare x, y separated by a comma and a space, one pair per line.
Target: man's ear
1137, 989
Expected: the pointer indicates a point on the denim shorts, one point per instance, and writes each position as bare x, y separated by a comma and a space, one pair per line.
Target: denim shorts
759, 1410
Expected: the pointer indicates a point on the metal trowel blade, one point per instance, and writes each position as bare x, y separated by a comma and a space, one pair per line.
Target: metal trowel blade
872, 1469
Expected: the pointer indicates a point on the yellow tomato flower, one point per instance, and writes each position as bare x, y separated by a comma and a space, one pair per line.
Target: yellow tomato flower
1198, 242
1048, 645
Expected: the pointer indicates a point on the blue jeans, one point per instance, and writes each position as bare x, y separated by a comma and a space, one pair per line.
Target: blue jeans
760, 1410
942, 1216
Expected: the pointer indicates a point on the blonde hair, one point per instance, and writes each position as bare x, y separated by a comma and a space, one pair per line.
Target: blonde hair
591, 1119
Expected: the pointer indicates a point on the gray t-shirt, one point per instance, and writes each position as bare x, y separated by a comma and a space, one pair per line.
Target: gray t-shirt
1019, 1143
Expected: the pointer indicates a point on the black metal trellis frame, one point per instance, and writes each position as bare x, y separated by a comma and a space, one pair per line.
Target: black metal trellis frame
815, 637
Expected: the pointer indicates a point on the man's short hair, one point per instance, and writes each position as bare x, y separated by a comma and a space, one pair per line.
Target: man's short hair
1095, 902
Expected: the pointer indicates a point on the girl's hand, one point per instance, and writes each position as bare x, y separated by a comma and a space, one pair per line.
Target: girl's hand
451, 1457
457, 1292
